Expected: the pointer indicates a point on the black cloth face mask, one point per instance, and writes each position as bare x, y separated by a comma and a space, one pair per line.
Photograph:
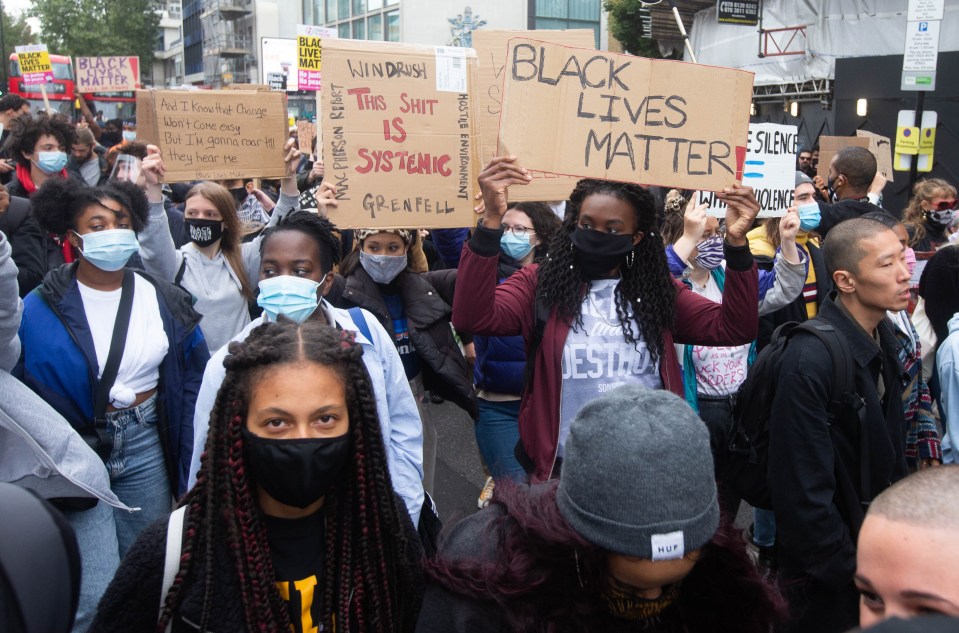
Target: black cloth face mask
296, 472
597, 253
204, 232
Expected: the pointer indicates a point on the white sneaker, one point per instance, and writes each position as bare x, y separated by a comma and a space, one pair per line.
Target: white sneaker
486, 493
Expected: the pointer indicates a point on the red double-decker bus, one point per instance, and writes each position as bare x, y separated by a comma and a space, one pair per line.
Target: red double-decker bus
61, 92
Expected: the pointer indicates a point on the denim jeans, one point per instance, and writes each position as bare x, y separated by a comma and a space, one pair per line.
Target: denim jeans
764, 527
99, 557
497, 433
138, 474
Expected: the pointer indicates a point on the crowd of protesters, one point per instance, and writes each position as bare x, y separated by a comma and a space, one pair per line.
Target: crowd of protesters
220, 402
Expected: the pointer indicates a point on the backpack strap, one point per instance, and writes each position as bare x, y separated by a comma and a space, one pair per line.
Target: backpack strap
117, 344
360, 322
171, 564
179, 273
541, 315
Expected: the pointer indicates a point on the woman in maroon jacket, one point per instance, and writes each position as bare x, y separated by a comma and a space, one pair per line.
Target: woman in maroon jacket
603, 309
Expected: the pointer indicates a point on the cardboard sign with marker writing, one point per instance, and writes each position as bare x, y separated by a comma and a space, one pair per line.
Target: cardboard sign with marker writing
305, 133
491, 48
881, 148
829, 146
770, 169
215, 134
399, 134
603, 115
108, 74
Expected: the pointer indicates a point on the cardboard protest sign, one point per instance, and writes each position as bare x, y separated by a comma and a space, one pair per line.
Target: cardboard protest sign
108, 74
215, 134
829, 146
881, 148
309, 55
603, 115
305, 133
491, 48
35, 64
399, 134
770, 169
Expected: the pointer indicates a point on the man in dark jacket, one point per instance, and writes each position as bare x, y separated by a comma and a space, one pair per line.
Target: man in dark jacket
828, 462
851, 175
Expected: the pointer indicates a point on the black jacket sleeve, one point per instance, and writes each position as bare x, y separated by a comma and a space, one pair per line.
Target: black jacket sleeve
810, 532
132, 601
28, 249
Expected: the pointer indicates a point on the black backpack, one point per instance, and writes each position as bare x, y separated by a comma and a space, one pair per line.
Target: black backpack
746, 458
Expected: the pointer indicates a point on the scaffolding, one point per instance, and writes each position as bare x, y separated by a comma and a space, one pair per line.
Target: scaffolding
228, 49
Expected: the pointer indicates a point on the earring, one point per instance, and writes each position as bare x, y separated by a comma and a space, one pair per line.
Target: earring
629, 260
571, 253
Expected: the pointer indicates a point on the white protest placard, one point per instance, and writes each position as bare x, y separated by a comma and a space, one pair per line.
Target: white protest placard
769, 168
108, 74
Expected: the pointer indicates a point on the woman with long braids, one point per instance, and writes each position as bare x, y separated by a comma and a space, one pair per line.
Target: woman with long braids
603, 309
293, 524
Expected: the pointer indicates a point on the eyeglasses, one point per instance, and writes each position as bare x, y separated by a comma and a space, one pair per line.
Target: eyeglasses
946, 205
518, 231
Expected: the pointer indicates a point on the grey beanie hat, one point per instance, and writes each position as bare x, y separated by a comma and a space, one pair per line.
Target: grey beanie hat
801, 178
637, 477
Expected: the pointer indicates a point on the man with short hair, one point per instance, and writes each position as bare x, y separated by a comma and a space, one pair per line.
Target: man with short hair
852, 177
11, 107
908, 559
86, 162
830, 453
804, 162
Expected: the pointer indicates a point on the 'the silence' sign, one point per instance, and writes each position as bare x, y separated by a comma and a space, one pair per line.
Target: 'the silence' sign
602, 115
399, 134
108, 74
770, 169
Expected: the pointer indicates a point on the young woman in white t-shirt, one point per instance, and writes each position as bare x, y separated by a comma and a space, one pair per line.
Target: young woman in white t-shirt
712, 375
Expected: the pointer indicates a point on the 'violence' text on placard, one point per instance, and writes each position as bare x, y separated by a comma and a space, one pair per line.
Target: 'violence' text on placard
399, 136
596, 114
215, 134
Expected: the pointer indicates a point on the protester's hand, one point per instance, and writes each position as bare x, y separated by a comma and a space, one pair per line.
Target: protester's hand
469, 350
4, 200
292, 158
83, 125
7, 166
789, 225
821, 186
317, 172
480, 207
741, 210
694, 219
929, 463
152, 167
494, 182
878, 183
325, 198
265, 201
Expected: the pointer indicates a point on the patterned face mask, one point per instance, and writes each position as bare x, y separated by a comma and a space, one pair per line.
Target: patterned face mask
710, 252
626, 606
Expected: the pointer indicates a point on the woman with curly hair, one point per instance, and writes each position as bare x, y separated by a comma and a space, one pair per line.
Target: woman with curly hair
930, 210
628, 539
132, 401
293, 524
603, 309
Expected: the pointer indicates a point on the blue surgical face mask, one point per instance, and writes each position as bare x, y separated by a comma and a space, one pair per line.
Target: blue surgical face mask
129, 135
293, 297
809, 216
515, 246
109, 250
382, 268
710, 252
51, 162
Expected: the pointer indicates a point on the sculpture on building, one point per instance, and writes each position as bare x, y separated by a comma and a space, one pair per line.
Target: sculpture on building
462, 27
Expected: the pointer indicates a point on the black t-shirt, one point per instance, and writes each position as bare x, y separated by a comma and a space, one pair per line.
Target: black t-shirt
297, 550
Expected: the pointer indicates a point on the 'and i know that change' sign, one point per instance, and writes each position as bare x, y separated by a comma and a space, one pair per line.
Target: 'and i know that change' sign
770, 169
595, 114
108, 74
